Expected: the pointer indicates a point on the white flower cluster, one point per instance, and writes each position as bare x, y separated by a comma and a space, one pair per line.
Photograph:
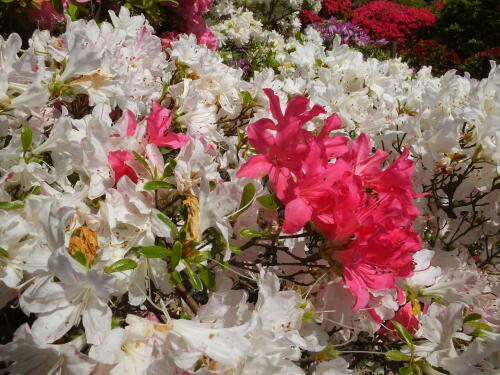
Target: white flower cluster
90, 197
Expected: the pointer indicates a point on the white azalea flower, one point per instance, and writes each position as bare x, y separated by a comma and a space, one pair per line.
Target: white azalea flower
27, 354
78, 293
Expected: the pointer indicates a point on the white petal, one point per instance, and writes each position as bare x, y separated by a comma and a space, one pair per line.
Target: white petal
96, 320
52, 326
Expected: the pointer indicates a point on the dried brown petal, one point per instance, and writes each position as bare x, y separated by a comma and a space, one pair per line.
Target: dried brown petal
193, 225
84, 239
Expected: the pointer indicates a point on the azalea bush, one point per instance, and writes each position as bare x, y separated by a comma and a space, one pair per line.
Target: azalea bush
469, 26
391, 21
169, 17
431, 53
262, 204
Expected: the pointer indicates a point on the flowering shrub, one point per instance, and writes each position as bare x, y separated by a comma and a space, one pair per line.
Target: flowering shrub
469, 27
430, 53
339, 8
348, 32
170, 17
477, 63
164, 213
394, 22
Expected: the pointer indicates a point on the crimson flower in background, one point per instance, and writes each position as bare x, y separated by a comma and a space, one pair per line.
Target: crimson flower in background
391, 21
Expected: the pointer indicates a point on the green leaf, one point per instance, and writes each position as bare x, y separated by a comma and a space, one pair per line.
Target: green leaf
175, 278
7, 1
169, 223
247, 195
403, 333
246, 98
250, 233
153, 185
141, 160
121, 265
154, 251
479, 325
14, 205
82, 259
235, 249
26, 137
115, 322
183, 212
176, 255
193, 277
406, 370
308, 316
183, 234
207, 277
3, 253
246, 200
397, 355
169, 168
472, 317
268, 201
58, 6
416, 369
73, 11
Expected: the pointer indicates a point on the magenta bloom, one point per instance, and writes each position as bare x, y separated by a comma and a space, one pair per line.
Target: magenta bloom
117, 161
45, 14
365, 212
405, 317
282, 153
159, 121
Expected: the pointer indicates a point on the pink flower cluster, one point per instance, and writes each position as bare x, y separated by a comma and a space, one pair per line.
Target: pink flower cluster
158, 133
364, 211
190, 21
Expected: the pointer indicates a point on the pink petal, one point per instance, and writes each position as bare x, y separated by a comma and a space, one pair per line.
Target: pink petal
281, 182
316, 110
259, 137
172, 140
274, 105
357, 287
158, 121
132, 123
296, 106
331, 123
297, 214
256, 167
117, 161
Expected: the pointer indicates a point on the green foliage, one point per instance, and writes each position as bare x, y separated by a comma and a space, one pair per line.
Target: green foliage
121, 265
154, 185
154, 251
469, 26
250, 233
14, 205
26, 137
397, 355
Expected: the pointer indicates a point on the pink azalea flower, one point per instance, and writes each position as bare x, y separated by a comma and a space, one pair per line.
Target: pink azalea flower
376, 259
158, 123
196, 25
405, 317
46, 15
117, 160
365, 212
131, 125
283, 153
168, 37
